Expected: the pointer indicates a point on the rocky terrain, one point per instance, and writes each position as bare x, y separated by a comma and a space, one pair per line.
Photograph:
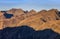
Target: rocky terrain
44, 19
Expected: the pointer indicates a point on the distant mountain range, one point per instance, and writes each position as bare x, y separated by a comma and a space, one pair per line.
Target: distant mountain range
44, 19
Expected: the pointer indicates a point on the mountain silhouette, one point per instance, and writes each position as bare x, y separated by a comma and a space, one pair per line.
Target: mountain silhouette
25, 32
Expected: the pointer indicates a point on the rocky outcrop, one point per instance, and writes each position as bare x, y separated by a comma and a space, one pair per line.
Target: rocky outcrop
15, 11
31, 13
50, 14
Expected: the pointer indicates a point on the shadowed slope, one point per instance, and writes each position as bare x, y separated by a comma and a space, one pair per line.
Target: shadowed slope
25, 32
8, 15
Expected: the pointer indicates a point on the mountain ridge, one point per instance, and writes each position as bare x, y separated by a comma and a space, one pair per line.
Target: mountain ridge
36, 20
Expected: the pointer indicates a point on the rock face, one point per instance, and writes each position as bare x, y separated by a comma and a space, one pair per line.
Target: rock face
31, 13
38, 20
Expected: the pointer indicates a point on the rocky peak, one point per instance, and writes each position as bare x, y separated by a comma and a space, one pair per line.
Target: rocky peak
32, 11
42, 11
15, 11
55, 10
53, 14
50, 14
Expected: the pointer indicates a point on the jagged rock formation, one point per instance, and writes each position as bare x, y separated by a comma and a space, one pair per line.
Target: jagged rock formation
38, 20
31, 13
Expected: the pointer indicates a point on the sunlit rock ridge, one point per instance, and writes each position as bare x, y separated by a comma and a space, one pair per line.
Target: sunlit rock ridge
44, 19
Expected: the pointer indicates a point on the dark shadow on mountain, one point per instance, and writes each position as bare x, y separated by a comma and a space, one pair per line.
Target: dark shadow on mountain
26, 12
8, 15
25, 32
3, 11
58, 14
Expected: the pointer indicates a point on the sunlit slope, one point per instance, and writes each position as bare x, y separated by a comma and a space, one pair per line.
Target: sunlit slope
38, 20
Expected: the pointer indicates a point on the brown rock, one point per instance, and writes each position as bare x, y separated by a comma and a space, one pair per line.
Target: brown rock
31, 13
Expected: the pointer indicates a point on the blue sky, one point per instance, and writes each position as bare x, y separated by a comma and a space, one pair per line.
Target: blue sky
29, 4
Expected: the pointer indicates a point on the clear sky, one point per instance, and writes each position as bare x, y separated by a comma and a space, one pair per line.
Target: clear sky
29, 4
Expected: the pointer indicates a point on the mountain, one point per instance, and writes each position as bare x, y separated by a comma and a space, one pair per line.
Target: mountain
44, 19
25, 32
